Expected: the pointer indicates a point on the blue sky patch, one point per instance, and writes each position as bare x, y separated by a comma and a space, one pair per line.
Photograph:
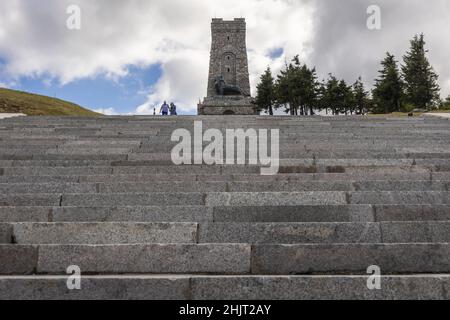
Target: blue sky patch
123, 95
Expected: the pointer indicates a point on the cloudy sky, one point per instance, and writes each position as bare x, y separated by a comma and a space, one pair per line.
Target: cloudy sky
129, 55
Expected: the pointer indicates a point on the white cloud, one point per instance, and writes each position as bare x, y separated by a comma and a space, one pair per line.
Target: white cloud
107, 111
175, 34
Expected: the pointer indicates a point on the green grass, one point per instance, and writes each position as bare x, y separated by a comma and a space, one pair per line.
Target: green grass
12, 101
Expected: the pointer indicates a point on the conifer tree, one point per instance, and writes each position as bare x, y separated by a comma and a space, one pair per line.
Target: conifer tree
421, 88
265, 98
388, 91
361, 97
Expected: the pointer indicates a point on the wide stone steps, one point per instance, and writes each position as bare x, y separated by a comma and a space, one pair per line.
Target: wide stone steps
103, 194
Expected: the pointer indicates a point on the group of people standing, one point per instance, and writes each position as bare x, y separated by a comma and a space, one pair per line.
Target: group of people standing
166, 109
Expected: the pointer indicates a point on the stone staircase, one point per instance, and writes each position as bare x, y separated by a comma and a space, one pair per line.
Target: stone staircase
103, 194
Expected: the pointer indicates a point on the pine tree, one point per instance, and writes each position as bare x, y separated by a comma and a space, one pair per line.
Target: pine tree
346, 98
321, 91
445, 105
388, 91
361, 97
283, 89
331, 96
309, 90
421, 86
296, 88
265, 98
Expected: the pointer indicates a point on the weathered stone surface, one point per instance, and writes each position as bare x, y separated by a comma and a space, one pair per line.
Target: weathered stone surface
104, 233
133, 214
157, 258
17, 259
288, 186
275, 198
32, 188
224, 288
318, 288
354, 258
96, 288
54, 171
419, 232
27, 200
402, 197
301, 213
429, 212
38, 179
25, 214
60, 163
5, 233
135, 199
290, 233
172, 186
197, 169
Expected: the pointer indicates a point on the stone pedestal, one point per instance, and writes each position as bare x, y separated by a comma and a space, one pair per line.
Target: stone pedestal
227, 105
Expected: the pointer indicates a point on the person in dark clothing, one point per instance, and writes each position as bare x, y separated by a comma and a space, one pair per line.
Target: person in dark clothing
173, 109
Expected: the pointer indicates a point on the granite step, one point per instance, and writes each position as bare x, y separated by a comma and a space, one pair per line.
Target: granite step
258, 259
212, 199
186, 176
331, 233
185, 213
102, 233
195, 287
222, 186
120, 258
326, 197
392, 258
332, 213
254, 233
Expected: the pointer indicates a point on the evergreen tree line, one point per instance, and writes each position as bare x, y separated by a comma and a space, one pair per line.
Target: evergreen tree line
413, 85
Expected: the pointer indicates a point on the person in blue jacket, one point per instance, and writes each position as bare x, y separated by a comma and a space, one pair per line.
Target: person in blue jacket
164, 109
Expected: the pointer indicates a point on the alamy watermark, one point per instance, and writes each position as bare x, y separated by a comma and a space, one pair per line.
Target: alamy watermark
232, 149
374, 19
374, 280
73, 22
74, 279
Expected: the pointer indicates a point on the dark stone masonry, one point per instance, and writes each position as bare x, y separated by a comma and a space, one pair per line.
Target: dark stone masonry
228, 60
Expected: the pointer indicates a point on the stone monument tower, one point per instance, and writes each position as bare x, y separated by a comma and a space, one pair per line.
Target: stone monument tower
228, 82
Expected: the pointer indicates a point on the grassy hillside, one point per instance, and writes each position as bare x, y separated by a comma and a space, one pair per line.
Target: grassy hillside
12, 101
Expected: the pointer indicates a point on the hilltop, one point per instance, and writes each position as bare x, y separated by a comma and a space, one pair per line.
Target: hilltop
12, 101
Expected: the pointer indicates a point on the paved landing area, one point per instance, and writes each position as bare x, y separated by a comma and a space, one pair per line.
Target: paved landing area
11, 115
442, 115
